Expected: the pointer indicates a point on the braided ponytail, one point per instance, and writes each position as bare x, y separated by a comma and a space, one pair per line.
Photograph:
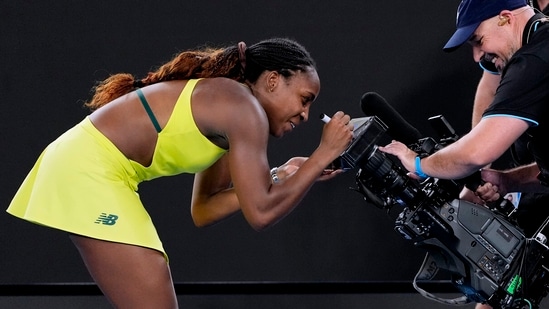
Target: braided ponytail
236, 62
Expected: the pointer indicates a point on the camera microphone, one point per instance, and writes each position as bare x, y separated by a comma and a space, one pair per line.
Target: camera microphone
373, 104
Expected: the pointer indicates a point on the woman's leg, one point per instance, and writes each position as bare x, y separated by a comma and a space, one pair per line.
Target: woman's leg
129, 276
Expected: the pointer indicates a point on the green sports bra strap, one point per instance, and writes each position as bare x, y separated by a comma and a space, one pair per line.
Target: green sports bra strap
148, 109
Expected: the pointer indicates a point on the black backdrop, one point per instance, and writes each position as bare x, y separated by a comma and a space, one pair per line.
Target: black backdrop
52, 52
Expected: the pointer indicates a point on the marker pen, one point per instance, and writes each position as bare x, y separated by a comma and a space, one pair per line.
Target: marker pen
338, 163
325, 118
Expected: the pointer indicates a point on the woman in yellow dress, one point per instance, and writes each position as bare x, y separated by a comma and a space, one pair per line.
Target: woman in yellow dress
208, 112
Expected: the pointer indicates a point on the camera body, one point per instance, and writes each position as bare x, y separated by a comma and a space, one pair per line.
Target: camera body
487, 255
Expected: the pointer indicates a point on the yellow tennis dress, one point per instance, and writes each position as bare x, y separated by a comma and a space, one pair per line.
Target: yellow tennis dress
83, 184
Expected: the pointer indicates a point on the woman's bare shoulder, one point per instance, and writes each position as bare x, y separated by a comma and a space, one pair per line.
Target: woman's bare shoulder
216, 101
223, 86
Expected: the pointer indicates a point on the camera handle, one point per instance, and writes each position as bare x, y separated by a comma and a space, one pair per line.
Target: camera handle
501, 205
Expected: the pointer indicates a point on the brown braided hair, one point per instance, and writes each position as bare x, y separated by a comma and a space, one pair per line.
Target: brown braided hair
283, 55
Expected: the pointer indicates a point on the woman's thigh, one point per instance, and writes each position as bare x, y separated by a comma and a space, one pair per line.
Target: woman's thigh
129, 276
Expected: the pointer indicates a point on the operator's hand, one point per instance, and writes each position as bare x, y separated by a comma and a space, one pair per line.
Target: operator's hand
470, 196
488, 192
496, 178
406, 155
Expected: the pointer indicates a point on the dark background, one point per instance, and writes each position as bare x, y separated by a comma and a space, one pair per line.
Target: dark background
52, 52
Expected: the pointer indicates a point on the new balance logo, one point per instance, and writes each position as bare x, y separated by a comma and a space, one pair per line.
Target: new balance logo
109, 219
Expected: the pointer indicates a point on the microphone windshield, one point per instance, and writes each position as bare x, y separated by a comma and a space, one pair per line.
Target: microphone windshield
373, 104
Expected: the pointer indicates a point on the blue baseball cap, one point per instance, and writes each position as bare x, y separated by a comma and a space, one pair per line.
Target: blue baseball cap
471, 13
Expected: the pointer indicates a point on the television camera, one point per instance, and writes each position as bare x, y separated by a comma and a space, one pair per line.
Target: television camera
485, 252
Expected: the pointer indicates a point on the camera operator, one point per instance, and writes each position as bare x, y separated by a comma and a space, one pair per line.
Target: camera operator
511, 36
531, 209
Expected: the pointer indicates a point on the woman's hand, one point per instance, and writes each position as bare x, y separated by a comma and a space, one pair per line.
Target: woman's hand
291, 166
329, 174
337, 134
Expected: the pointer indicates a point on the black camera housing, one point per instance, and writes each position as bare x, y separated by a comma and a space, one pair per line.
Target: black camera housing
487, 255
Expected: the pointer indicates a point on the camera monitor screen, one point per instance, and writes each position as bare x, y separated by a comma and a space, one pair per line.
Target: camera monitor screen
500, 237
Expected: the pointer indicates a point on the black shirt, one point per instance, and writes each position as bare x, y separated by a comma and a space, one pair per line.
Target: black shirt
521, 90
524, 88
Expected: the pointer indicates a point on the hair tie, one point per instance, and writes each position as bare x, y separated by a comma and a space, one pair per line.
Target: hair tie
138, 84
242, 55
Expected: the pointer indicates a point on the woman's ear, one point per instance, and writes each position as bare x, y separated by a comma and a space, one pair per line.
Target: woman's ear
272, 80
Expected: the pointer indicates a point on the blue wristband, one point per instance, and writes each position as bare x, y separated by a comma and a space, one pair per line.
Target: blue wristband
419, 172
